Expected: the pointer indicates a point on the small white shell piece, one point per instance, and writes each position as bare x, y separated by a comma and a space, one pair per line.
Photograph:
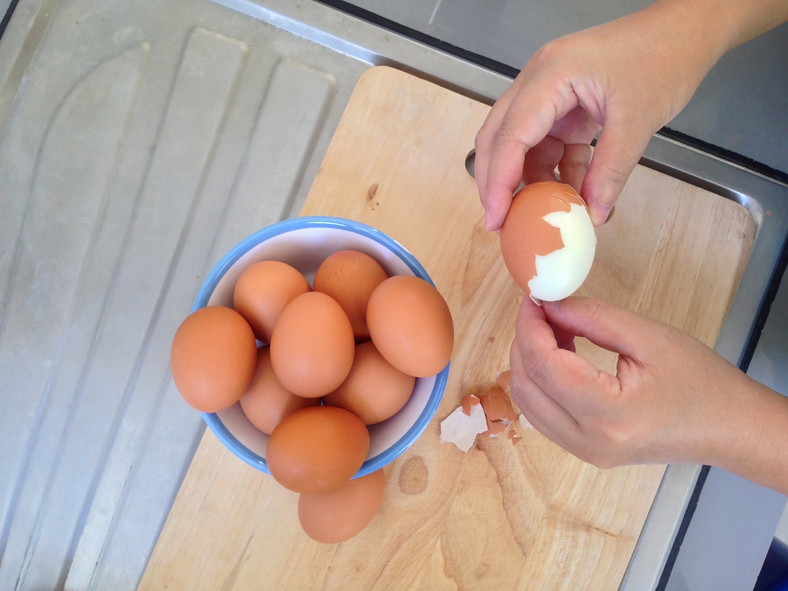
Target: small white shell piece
461, 429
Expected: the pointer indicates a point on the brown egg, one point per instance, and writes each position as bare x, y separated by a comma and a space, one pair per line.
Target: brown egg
317, 448
263, 290
213, 358
338, 515
266, 402
374, 389
410, 324
548, 240
312, 345
350, 276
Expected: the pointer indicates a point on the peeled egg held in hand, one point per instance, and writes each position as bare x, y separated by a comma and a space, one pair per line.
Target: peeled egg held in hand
548, 241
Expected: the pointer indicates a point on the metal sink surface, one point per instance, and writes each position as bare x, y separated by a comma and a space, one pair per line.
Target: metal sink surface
138, 142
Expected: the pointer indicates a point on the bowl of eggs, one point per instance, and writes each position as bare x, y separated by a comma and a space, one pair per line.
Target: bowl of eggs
317, 351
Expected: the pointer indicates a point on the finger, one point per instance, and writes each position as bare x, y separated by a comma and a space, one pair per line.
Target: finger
541, 160
533, 329
564, 339
610, 327
484, 138
617, 151
574, 163
544, 413
576, 127
569, 379
504, 174
540, 330
527, 121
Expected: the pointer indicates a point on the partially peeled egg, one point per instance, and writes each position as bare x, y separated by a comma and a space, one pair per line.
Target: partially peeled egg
548, 241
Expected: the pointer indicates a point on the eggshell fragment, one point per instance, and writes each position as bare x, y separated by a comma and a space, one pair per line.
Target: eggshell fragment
339, 514
461, 429
312, 345
213, 358
490, 414
263, 290
350, 277
266, 402
498, 410
504, 380
411, 325
467, 401
317, 448
374, 390
548, 240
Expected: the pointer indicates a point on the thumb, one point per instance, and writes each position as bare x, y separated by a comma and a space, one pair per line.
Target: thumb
616, 153
610, 327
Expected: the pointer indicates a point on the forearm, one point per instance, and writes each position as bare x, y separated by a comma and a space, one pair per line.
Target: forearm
754, 441
722, 25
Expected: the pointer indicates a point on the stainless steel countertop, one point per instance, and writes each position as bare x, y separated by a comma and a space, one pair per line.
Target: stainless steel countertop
138, 142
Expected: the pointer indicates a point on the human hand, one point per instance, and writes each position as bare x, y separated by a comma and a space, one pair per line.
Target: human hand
672, 399
628, 77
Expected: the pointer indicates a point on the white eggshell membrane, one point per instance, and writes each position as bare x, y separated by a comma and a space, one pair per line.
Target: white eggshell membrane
461, 429
560, 273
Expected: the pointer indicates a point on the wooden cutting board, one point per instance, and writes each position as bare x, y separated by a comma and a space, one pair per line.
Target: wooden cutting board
503, 515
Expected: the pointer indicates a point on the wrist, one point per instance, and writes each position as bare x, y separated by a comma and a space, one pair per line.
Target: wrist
753, 442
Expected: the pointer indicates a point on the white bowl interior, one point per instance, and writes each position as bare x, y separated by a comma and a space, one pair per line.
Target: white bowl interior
305, 248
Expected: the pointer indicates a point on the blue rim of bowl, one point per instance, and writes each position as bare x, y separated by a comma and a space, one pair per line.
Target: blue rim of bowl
209, 285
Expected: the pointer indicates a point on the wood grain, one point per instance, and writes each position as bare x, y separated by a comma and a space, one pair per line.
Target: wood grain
502, 516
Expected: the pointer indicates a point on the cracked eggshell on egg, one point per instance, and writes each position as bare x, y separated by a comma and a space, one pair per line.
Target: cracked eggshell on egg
548, 241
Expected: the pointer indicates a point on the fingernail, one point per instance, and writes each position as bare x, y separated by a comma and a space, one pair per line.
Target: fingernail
601, 214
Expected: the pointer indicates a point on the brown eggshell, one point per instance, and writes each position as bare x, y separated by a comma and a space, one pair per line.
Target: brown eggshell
317, 448
374, 390
350, 276
411, 325
526, 235
498, 410
266, 402
312, 345
213, 358
339, 514
263, 290
467, 402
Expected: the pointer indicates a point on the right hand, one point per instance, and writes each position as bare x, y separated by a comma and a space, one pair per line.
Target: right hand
671, 398
666, 401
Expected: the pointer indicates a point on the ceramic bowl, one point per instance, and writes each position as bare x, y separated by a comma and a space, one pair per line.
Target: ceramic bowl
304, 243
